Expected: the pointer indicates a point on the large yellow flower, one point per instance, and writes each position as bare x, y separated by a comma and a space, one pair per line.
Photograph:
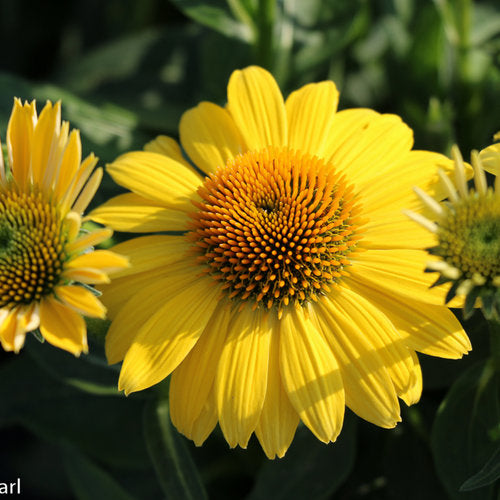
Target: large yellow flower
43, 257
296, 287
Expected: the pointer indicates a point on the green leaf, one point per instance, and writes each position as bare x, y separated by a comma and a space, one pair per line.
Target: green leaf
215, 16
174, 466
89, 481
467, 430
310, 470
487, 475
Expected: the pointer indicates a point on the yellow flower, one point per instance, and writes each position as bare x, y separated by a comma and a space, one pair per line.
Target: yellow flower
43, 257
467, 235
296, 285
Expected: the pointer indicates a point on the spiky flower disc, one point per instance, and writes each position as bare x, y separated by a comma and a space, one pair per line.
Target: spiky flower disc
467, 230
43, 256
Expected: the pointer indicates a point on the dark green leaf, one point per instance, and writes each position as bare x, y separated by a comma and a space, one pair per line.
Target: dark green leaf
467, 430
90, 482
310, 470
487, 475
174, 467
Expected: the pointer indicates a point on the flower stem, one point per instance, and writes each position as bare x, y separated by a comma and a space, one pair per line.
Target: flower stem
494, 326
265, 26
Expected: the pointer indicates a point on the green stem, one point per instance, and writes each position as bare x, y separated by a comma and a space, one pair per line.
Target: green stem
494, 326
265, 27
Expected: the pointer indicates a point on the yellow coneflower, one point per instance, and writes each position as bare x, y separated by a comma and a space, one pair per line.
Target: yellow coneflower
467, 234
296, 288
44, 257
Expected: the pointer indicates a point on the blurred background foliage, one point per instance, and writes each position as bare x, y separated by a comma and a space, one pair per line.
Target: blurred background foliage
125, 71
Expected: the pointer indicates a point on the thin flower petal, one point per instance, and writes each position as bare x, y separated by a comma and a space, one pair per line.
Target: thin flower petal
311, 376
256, 105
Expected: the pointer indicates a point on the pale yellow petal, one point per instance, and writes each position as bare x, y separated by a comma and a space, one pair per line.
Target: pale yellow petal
81, 300
62, 327
311, 376
369, 390
278, 420
102, 260
88, 240
310, 111
490, 159
241, 381
167, 337
167, 146
192, 381
156, 177
135, 214
11, 338
256, 105
210, 136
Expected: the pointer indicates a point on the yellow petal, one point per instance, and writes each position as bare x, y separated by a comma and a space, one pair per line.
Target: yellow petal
241, 382
87, 240
490, 159
62, 327
136, 307
156, 177
134, 214
311, 376
278, 420
87, 275
205, 422
81, 300
45, 137
11, 336
368, 149
167, 146
399, 270
210, 136
310, 111
102, 260
149, 252
374, 329
20, 138
70, 164
192, 381
431, 329
369, 390
256, 105
168, 336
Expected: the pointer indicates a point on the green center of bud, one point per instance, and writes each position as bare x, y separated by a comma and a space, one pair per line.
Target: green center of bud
469, 238
31, 248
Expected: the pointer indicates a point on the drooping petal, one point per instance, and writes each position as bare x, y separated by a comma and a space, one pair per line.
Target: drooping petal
430, 329
310, 111
210, 136
241, 381
256, 105
206, 421
62, 327
193, 380
278, 420
135, 214
369, 390
165, 339
311, 376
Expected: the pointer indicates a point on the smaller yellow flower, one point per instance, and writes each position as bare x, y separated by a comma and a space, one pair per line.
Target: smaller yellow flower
45, 259
467, 230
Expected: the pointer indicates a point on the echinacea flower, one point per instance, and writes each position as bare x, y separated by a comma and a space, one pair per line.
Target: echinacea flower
296, 285
44, 258
467, 235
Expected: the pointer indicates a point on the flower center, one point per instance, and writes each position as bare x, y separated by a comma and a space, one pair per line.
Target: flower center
31, 248
275, 227
469, 239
